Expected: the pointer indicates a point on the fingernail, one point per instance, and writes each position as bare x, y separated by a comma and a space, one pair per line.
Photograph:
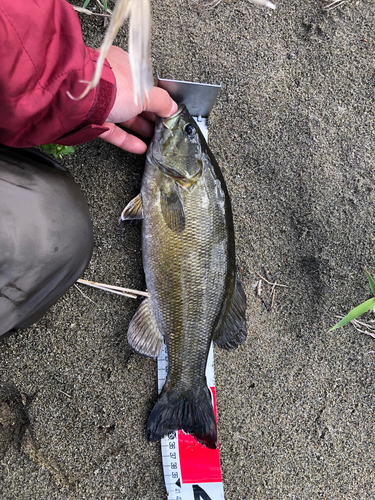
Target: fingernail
174, 108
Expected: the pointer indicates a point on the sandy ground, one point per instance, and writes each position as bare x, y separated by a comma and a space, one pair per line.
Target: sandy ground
293, 130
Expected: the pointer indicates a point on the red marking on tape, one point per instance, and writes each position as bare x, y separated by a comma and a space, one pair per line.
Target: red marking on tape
198, 463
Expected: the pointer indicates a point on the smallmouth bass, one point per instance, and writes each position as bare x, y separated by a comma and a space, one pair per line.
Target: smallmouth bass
188, 254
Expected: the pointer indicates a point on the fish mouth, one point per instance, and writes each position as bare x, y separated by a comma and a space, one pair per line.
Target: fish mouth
171, 122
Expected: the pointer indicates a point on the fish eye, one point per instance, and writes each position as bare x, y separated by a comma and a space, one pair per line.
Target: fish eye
190, 129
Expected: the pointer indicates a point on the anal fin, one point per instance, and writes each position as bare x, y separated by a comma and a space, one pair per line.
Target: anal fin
143, 334
231, 330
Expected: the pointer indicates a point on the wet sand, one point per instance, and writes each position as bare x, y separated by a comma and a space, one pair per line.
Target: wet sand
293, 130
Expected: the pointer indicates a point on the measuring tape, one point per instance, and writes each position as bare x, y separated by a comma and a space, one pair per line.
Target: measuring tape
191, 471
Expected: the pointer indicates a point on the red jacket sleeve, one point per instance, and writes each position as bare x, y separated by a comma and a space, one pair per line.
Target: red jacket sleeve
42, 56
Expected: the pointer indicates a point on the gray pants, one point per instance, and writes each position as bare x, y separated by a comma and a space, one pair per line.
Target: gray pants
46, 238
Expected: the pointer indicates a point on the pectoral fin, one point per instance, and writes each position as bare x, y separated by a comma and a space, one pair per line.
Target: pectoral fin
172, 208
133, 209
143, 334
231, 330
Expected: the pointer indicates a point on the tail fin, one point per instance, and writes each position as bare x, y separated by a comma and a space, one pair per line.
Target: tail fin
190, 411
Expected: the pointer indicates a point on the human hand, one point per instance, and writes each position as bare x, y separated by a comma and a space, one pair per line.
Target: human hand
135, 117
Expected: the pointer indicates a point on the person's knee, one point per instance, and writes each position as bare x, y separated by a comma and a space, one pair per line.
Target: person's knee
46, 238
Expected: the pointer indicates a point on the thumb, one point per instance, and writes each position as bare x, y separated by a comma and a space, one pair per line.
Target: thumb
158, 101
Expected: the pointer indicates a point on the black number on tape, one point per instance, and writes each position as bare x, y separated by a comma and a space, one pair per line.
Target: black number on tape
199, 493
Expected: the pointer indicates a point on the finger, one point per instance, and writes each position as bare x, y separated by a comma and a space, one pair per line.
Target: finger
158, 101
151, 117
118, 137
139, 125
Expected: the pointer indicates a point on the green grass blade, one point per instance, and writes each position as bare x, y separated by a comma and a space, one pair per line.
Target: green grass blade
105, 5
85, 4
68, 150
354, 313
371, 281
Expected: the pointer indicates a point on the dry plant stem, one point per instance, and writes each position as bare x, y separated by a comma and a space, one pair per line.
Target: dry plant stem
264, 3
370, 330
86, 297
333, 4
62, 392
139, 46
127, 292
371, 334
102, 7
269, 283
210, 4
213, 4
121, 12
206, 4
88, 12
361, 323
258, 286
108, 11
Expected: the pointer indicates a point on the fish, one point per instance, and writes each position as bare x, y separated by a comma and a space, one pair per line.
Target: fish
188, 252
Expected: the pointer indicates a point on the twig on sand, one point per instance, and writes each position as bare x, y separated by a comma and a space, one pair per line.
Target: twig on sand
332, 4
258, 287
210, 4
127, 292
65, 394
102, 7
86, 296
269, 282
